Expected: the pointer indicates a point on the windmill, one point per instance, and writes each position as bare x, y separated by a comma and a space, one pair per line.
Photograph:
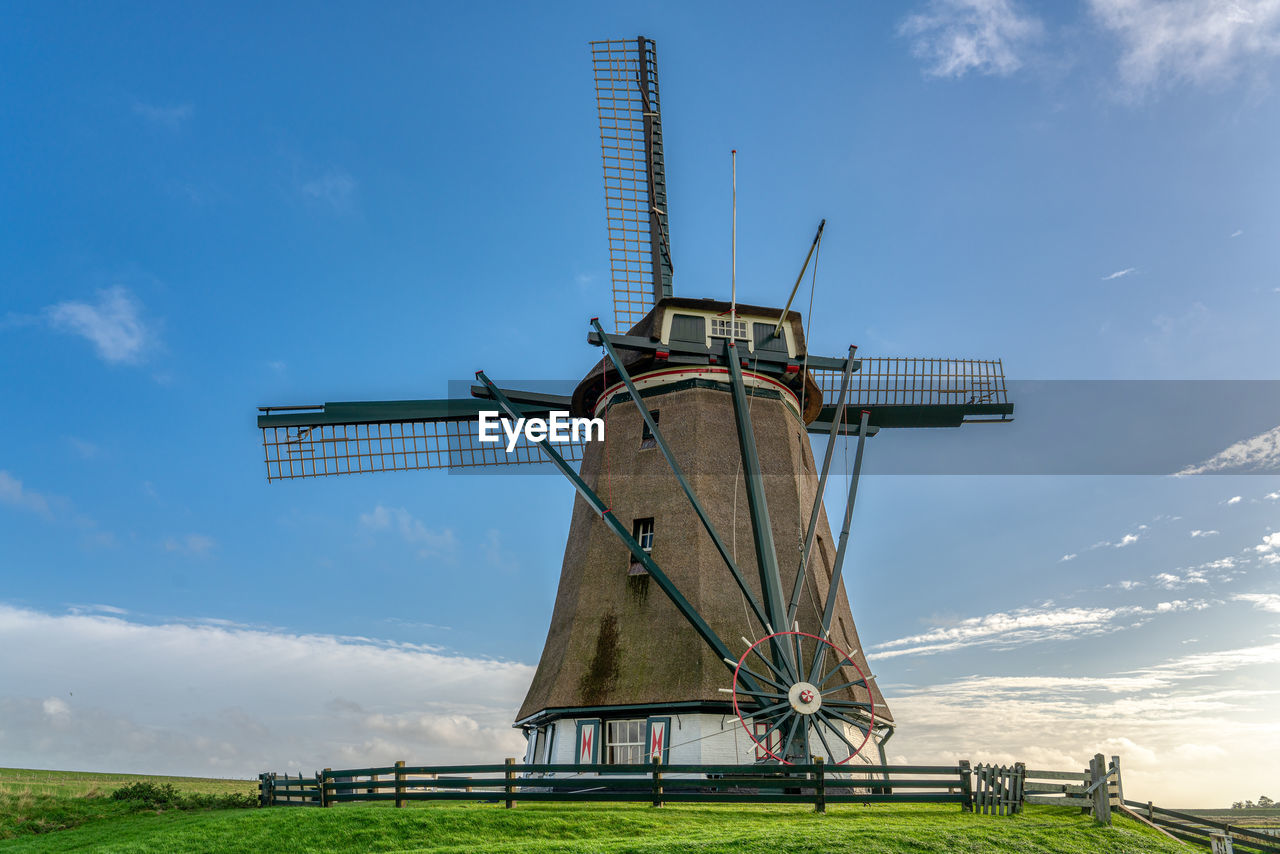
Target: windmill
700, 612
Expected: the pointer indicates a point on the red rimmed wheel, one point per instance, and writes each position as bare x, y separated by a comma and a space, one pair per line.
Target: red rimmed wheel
783, 685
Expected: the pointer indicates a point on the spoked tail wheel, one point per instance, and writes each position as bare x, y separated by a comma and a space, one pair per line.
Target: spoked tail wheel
790, 684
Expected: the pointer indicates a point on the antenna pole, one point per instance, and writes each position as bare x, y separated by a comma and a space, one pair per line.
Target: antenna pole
733, 252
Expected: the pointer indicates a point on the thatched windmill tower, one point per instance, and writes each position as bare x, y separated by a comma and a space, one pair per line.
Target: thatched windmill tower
700, 615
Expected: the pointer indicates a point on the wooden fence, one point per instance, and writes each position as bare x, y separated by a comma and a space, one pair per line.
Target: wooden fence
1201, 830
998, 789
988, 789
818, 784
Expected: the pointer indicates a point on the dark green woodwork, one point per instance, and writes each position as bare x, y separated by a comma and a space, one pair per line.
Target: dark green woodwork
898, 415
805, 551
386, 411
757, 505
679, 475
837, 568
497, 783
659, 244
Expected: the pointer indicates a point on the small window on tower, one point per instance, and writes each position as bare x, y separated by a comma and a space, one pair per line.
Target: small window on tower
646, 435
723, 327
642, 530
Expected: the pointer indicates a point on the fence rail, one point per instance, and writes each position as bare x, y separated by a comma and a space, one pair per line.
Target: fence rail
818, 784
989, 789
1194, 828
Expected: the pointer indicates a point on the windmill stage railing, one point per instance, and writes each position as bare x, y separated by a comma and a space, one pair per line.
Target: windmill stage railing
893, 381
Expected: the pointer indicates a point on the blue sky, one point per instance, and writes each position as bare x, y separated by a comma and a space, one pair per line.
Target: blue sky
233, 206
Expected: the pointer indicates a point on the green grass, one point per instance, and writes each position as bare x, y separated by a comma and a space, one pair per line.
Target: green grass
73, 812
24, 780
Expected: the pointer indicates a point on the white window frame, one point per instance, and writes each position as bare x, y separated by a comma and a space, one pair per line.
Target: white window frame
642, 529
634, 750
720, 328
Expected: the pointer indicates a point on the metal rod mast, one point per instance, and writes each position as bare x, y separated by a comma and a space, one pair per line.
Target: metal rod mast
733, 251
829, 609
761, 528
817, 238
794, 605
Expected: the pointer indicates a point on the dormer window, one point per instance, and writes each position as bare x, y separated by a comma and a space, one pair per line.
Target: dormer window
723, 327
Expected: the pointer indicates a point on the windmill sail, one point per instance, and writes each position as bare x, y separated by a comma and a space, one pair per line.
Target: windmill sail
396, 435
635, 184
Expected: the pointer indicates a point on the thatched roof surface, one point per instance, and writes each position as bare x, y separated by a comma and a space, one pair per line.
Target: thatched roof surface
615, 638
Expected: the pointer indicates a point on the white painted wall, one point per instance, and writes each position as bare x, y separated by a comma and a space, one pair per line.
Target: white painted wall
700, 739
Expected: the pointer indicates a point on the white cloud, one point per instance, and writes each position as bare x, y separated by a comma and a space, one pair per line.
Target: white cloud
194, 544
1270, 542
1024, 625
1237, 232
1127, 539
1236, 499
113, 324
954, 37
1273, 496
1034, 625
1119, 274
86, 449
167, 117
1265, 601
1199, 533
432, 542
92, 691
1148, 716
13, 493
1191, 41
334, 188
1065, 558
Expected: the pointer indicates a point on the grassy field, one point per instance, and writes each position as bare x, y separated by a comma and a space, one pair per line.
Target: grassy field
23, 780
94, 822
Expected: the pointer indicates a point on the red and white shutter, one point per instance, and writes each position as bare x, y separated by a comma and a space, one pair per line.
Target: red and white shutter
658, 739
588, 752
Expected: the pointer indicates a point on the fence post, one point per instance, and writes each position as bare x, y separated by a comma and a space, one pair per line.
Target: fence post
262, 789
511, 776
820, 786
1151, 811
399, 782
1115, 763
1101, 794
1089, 777
326, 790
319, 789
656, 771
966, 786
271, 788
1019, 785
1220, 843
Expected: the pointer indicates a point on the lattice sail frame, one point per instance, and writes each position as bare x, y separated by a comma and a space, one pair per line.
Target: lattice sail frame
635, 191
322, 450
901, 381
